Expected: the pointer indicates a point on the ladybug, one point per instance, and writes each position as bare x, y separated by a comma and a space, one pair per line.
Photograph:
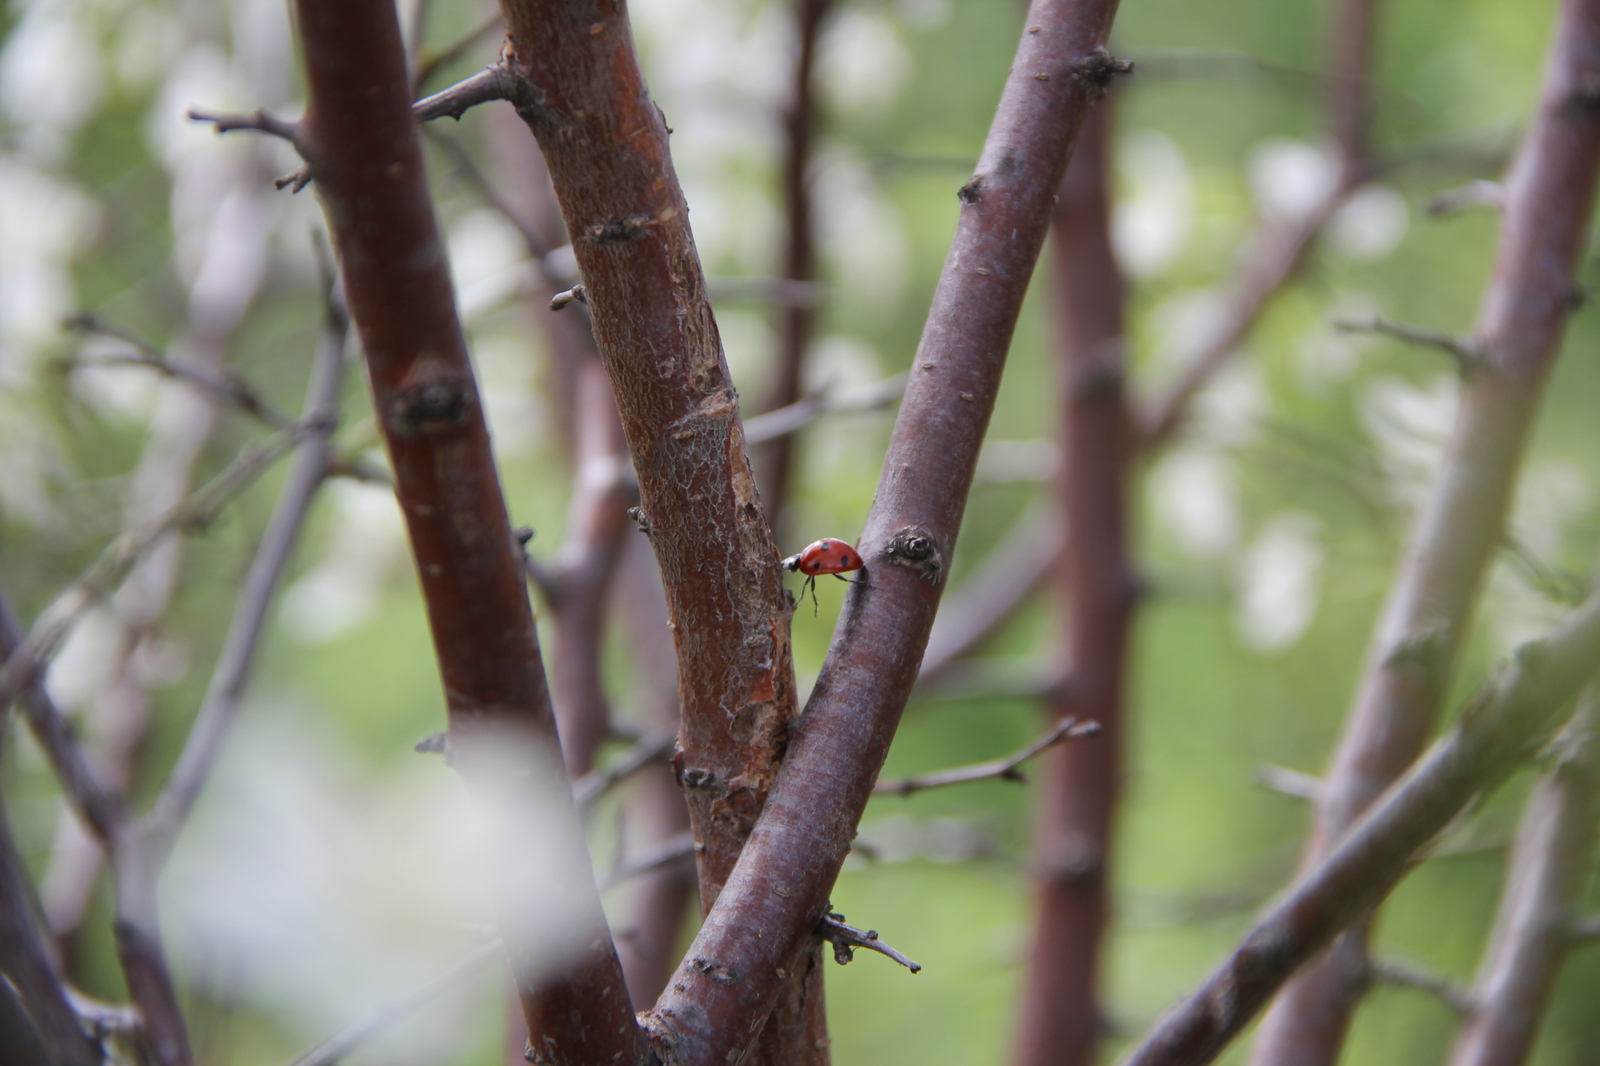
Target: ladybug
826, 556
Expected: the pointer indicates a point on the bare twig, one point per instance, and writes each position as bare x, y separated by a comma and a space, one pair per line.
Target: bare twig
587, 789
220, 384
490, 83
349, 1039
234, 663
260, 121
1507, 722
846, 938
1465, 351
675, 848
1585, 931
1406, 975
1006, 769
430, 61
803, 412
27, 662
1411, 658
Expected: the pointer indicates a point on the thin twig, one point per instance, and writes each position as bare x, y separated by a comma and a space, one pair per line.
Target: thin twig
803, 412
846, 938
1585, 931
490, 83
198, 509
234, 663
349, 1039
1405, 975
588, 789
1006, 769
430, 61
1467, 352
1473, 194
675, 848
221, 385
260, 121
1505, 723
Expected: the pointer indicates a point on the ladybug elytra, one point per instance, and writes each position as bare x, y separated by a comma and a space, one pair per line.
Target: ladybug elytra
826, 556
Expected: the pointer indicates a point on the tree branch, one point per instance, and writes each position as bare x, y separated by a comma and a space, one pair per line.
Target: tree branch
307, 472
781, 883
1411, 659
363, 136
578, 81
490, 83
26, 663
785, 420
1404, 975
846, 938
1544, 882
1503, 725
1466, 352
1006, 769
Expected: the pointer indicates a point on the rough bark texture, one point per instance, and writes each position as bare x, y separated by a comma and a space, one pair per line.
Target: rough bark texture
1061, 1022
761, 928
1507, 722
796, 318
576, 82
365, 154
1550, 195
1545, 877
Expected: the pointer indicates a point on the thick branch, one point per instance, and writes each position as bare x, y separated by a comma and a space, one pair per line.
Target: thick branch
1095, 595
1544, 881
1006, 769
787, 869
578, 82
1507, 722
1550, 196
361, 132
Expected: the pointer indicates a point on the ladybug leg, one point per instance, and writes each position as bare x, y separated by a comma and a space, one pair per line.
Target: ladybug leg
862, 581
810, 585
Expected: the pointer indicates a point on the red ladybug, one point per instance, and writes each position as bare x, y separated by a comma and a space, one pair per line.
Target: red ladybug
826, 556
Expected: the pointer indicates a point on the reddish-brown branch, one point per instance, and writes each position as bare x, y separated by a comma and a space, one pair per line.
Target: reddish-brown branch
1507, 722
1544, 881
781, 884
1550, 196
581, 92
1061, 1016
363, 143
44, 1028
796, 320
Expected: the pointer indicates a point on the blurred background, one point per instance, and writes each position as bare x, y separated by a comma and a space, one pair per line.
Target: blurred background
323, 874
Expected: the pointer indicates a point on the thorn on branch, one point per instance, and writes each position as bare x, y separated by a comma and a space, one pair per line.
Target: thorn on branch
1404, 975
1467, 352
294, 181
1006, 769
846, 938
576, 294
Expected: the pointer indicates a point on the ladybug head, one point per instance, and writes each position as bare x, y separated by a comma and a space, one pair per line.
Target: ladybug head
791, 564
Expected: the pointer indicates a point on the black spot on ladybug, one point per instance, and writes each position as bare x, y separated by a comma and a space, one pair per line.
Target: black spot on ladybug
431, 408
816, 564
